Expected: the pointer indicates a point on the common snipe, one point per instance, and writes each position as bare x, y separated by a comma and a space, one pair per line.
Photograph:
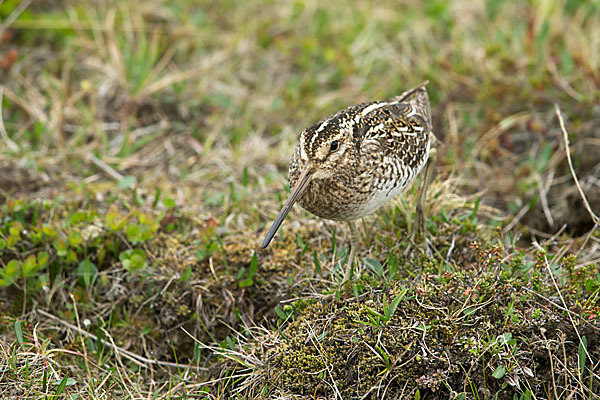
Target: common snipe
349, 164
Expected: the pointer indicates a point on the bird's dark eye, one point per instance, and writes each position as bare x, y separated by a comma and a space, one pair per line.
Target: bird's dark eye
334, 145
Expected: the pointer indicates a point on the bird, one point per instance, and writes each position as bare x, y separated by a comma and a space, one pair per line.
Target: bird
349, 164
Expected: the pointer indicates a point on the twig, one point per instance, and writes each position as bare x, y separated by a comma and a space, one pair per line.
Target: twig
542, 330
563, 83
83, 346
136, 358
14, 15
543, 190
568, 152
515, 220
105, 167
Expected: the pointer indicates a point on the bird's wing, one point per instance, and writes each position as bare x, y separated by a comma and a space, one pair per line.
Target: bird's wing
398, 129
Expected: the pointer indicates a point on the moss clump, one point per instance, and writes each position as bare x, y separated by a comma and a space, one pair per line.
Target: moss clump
339, 346
432, 343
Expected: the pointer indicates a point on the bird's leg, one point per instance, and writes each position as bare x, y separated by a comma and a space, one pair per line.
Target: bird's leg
420, 228
353, 245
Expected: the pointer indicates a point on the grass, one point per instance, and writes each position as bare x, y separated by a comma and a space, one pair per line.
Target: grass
143, 151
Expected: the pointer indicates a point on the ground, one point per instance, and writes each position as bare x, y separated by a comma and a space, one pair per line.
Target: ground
144, 148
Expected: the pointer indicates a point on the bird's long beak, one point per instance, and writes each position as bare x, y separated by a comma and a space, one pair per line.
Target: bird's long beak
297, 190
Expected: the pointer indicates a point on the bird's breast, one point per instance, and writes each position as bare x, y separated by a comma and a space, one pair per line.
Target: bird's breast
359, 190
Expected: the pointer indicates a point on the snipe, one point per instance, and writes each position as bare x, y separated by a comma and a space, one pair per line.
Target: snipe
349, 164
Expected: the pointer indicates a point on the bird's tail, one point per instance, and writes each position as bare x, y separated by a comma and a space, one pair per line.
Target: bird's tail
420, 88
419, 98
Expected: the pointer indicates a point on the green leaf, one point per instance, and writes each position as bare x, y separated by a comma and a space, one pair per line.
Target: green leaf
48, 231
78, 216
317, 262
169, 202
186, 274
15, 229
71, 256
75, 238
374, 265
373, 312
114, 220
133, 260
253, 266
19, 332
393, 265
29, 266
42, 259
127, 182
87, 273
61, 386
505, 338
543, 34
475, 209
245, 177
60, 246
395, 302
499, 372
566, 62
133, 233
137, 261
469, 310
280, 313
300, 242
197, 352
582, 355
45, 380
246, 283
12, 270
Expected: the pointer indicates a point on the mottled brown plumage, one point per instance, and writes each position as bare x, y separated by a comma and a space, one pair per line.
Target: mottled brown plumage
349, 164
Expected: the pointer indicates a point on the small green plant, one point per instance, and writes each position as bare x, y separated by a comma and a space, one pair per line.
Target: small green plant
87, 272
246, 278
27, 270
499, 372
19, 332
582, 356
377, 319
209, 240
285, 314
133, 259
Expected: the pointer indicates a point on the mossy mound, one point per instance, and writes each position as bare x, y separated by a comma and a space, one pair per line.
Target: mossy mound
454, 335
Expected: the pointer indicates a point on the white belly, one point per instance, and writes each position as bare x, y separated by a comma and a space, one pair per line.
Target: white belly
379, 198
390, 191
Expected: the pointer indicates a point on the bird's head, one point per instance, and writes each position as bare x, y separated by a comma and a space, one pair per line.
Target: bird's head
322, 148
318, 155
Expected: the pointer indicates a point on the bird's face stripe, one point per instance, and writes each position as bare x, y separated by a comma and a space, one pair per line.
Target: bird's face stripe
314, 138
323, 125
372, 107
303, 155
